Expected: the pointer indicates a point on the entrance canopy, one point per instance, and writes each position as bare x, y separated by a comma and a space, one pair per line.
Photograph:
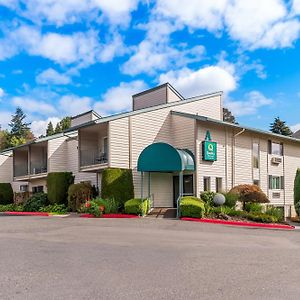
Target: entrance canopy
162, 157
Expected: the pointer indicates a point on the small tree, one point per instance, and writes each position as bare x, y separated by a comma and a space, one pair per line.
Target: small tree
19, 128
65, 123
50, 129
228, 116
297, 192
58, 128
280, 127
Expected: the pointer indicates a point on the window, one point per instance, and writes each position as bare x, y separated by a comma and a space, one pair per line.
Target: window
206, 184
275, 148
256, 182
276, 182
255, 155
37, 189
219, 187
24, 188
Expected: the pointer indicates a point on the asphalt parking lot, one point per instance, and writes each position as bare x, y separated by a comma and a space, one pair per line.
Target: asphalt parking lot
75, 258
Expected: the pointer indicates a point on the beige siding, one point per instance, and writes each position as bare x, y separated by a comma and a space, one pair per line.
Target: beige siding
38, 182
119, 143
90, 116
162, 189
6, 169
57, 159
172, 96
151, 98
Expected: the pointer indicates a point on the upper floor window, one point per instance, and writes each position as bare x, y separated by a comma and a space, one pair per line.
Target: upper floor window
275, 148
276, 182
255, 155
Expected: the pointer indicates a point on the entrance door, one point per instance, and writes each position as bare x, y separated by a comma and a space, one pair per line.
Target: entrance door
188, 187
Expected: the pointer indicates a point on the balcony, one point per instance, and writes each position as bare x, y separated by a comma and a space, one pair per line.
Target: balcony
30, 162
93, 148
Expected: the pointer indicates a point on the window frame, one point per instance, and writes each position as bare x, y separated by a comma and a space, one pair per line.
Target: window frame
209, 184
255, 155
219, 190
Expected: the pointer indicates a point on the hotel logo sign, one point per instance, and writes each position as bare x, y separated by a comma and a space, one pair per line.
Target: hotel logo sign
209, 148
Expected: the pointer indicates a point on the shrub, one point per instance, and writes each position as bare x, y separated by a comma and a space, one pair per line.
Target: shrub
94, 207
297, 192
253, 207
137, 206
192, 207
275, 212
231, 199
6, 193
117, 184
35, 202
77, 194
111, 205
207, 197
11, 207
58, 209
57, 185
260, 217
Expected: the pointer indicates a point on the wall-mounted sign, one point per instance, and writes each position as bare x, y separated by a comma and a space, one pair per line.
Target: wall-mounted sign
209, 148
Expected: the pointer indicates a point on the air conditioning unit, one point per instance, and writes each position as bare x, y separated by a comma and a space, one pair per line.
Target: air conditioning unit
276, 160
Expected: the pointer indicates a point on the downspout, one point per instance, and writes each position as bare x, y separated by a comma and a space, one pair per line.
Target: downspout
233, 156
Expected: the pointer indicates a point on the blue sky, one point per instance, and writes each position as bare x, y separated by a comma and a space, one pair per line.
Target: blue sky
61, 58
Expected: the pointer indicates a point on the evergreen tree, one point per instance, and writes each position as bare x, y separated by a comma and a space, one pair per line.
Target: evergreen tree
228, 116
50, 129
280, 127
65, 123
58, 128
19, 128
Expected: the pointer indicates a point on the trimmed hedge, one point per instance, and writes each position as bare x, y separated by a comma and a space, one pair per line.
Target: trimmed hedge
297, 192
77, 194
137, 207
6, 193
117, 184
192, 207
57, 186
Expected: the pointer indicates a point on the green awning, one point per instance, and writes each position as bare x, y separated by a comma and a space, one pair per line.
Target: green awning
162, 157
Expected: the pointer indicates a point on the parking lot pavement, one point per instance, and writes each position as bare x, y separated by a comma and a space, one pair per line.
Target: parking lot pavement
75, 258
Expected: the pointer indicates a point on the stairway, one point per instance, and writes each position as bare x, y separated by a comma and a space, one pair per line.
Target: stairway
158, 212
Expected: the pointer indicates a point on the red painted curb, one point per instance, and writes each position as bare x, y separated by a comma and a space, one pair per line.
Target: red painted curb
240, 223
25, 213
111, 216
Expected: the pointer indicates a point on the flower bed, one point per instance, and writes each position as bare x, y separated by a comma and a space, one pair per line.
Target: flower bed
111, 216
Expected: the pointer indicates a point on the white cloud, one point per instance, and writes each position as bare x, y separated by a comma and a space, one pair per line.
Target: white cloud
2, 93
5, 118
119, 98
206, 80
59, 12
73, 105
196, 14
296, 6
51, 76
249, 106
80, 48
33, 106
295, 127
155, 53
38, 127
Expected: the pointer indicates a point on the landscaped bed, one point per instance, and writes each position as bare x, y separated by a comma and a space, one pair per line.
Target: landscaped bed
111, 216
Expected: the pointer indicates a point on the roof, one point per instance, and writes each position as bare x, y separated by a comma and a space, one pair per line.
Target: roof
143, 110
41, 140
162, 157
167, 84
85, 113
223, 123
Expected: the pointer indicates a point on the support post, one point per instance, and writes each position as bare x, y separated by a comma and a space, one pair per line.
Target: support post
180, 192
142, 186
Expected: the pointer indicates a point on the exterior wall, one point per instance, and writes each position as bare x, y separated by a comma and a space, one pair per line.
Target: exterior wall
6, 169
84, 118
151, 98
171, 95
37, 182
118, 143
57, 159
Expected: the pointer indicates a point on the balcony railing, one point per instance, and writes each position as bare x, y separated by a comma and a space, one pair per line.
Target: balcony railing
21, 171
92, 157
38, 168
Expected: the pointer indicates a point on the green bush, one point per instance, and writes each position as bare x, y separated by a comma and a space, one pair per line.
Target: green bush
192, 207
77, 194
59, 209
275, 212
253, 207
57, 186
208, 197
297, 192
11, 207
137, 207
117, 184
35, 202
6, 193
111, 205
231, 199
260, 217
94, 207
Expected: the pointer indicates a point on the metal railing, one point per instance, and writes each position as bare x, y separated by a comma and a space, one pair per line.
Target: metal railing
38, 168
92, 157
